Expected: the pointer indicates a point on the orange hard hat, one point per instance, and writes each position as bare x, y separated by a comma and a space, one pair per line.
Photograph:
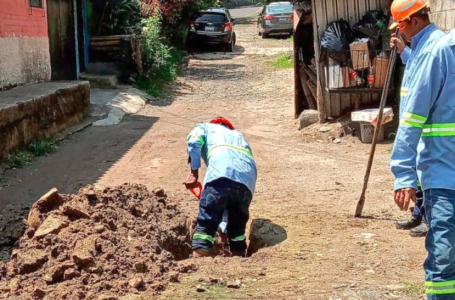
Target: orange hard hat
403, 9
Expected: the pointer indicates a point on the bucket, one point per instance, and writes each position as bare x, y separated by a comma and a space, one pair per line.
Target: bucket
367, 132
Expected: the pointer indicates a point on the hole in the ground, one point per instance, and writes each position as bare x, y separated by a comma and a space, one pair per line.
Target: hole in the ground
179, 248
263, 233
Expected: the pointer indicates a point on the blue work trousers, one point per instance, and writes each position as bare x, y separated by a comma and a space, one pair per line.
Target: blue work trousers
218, 196
419, 210
440, 244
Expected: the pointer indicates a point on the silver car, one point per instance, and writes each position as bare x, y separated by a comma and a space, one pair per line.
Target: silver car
276, 18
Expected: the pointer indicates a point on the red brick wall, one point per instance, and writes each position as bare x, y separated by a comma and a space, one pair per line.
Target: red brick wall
18, 19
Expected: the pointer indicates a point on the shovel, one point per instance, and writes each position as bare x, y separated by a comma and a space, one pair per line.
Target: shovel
197, 192
391, 66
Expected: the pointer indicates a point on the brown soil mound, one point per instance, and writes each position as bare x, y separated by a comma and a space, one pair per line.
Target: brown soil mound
99, 244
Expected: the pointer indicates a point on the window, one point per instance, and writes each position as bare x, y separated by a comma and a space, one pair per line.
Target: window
280, 9
36, 3
212, 18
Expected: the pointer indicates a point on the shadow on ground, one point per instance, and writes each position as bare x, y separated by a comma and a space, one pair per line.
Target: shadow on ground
264, 233
216, 51
81, 159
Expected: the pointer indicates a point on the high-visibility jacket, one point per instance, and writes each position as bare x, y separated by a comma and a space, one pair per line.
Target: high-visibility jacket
226, 153
426, 135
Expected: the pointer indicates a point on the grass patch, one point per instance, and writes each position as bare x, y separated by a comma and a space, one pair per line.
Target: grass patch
284, 61
40, 148
18, 159
21, 158
413, 289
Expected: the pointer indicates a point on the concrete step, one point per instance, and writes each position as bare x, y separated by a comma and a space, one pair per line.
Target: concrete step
103, 68
100, 81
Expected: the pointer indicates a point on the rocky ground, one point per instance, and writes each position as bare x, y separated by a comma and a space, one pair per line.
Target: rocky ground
306, 244
103, 243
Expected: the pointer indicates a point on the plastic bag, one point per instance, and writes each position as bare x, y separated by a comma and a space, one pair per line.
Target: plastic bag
337, 36
335, 40
371, 25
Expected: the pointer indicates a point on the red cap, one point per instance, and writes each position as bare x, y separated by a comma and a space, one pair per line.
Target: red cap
223, 121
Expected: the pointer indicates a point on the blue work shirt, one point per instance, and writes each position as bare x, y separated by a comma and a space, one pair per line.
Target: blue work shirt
226, 153
406, 54
426, 135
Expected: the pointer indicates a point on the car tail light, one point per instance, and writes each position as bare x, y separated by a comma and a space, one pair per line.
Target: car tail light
292, 16
192, 26
228, 26
269, 18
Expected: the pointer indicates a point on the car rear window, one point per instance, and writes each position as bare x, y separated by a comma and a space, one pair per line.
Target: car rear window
280, 9
212, 18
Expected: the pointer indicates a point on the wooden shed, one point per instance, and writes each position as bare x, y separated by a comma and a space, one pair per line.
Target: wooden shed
311, 77
311, 18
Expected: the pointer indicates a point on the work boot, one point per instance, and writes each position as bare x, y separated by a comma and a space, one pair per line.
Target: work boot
200, 253
238, 253
408, 224
420, 230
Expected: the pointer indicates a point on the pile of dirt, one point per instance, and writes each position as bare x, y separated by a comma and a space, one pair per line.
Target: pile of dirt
103, 243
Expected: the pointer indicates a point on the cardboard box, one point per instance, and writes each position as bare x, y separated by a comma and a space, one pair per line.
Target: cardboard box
360, 55
380, 71
335, 77
371, 115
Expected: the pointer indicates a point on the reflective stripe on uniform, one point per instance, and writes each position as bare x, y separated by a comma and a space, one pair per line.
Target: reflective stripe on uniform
403, 92
239, 238
439, 129
194, 137
203, 236
440, 288
413, 120
246, 151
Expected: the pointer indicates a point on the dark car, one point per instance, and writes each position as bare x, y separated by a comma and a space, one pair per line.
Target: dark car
213, 26
276, 18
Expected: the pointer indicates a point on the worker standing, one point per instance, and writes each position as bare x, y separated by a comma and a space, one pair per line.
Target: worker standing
417, 224
229, 183
425, 140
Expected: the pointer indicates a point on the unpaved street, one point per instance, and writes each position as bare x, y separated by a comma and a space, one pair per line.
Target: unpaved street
311, 246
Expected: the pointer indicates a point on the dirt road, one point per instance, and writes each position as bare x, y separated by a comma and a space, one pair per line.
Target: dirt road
311, 247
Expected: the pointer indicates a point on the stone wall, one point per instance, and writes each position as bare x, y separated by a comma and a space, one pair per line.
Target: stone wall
39, 111
443, 13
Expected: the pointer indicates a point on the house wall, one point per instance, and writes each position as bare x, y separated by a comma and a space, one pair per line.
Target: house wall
24, 44
326, 11
443, 13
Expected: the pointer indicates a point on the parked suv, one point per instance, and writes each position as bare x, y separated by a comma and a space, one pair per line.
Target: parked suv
276, 18
212, 26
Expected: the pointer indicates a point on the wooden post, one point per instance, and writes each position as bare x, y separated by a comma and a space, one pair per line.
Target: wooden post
298, 92
319, 68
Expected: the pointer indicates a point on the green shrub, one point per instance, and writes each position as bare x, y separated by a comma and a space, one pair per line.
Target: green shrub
161, 61
117, 17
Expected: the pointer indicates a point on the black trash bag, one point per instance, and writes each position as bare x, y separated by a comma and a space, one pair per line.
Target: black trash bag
335, 41
372, 24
